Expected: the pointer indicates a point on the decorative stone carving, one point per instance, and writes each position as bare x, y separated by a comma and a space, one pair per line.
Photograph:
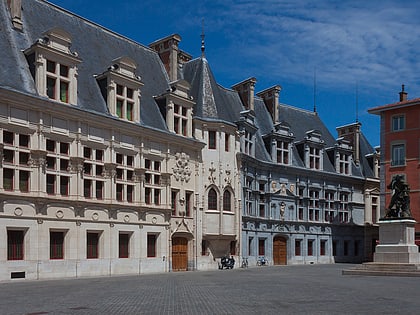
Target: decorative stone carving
139, 175
76, 165
212, 175
18, 212
228, 173
182, 171
38, 158
110, 170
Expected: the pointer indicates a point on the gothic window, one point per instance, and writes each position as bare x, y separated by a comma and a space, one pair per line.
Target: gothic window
212, 199
227, 201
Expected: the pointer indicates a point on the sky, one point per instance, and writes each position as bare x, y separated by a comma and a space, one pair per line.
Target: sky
344, 57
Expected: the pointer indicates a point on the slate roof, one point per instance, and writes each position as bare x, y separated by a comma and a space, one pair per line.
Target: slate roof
96, 47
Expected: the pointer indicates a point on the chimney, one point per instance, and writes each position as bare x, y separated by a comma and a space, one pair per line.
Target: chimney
246, 91
403, 94
167, 48
270, 97
352, 134
15, 8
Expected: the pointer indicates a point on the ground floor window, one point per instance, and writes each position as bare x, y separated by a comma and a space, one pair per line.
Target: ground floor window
322, 247
298, 250
124, 242
15, 245
92, 250
151, 245
310, 247
56, 245
261, 247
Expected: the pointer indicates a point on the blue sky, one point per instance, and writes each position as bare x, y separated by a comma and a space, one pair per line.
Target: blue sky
361, 51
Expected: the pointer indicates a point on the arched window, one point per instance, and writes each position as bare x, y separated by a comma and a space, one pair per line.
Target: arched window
212, 199
227, 205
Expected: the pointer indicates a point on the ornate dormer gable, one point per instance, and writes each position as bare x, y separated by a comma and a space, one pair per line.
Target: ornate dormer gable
279, 143
341, 156
120, 87
374, 160
177, 108
247, 130
54, 66
311, 150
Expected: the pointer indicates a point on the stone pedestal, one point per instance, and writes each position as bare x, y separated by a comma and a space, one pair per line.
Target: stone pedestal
396, 242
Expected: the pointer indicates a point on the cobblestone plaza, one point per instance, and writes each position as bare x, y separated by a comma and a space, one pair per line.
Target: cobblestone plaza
309, 289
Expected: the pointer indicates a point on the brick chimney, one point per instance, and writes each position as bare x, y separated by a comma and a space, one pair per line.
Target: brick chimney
246, 91
403, 94
167, 48
270, 97
352, 133
15, 8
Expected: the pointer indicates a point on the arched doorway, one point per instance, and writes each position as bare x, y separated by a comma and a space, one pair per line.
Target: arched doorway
179, 254
279, 250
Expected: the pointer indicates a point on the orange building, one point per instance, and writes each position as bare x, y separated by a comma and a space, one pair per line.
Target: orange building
400, 150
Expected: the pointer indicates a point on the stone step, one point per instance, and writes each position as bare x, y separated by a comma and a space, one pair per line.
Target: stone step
384, 269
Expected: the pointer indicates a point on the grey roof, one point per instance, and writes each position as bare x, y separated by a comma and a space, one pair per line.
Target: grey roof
96, 46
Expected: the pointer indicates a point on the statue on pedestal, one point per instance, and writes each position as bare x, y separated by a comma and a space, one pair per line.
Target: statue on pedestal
399, 206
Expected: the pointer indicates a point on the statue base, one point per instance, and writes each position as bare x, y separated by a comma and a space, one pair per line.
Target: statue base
397, 254
396, 242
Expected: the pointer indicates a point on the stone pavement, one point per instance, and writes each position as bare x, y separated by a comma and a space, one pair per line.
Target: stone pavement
308, 289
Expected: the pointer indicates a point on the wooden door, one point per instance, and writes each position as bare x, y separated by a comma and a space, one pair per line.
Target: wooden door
279, 251
179, 254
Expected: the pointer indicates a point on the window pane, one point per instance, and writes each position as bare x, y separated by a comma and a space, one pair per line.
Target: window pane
130, 107
51, 88
64, 71
119, 108
123, 245
15, 245
50, 66
151, 245
92, 245
8, 175
8, 137
23, 181
50, 184
212, 200
226, 201
56, 245
64, 186
64, 92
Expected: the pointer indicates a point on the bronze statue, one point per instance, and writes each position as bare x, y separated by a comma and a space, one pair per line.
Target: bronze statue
399, 207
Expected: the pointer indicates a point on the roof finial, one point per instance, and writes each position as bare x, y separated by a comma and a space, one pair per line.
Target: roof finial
315, 90
357, 101
202, 38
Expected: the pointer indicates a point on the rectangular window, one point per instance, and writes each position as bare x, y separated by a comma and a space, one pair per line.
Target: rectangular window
233, 247
398, 123
24, 181
314, 158
92, 248
346, 248
334, 248
310, 247
64, 186
250, 246
212, 140
130, 193
87, 188
24, 141
398, 155
323, 246
282, 152
8, 179
50, 184
15, 245
124, 241
64, 92
8, 137
227, 140
298, 250
261, 247
119, 109
56, 245
51, 87
174, 198
204, 246
151, 245
99, 190
119, 192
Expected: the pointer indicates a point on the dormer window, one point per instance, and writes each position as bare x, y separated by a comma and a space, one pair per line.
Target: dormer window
282, 151
120, 87
311, 150
248, 129
314, 158
54, 66
279, 143
176, 107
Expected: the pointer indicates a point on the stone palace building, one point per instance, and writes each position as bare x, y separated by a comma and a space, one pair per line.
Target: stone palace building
120, 158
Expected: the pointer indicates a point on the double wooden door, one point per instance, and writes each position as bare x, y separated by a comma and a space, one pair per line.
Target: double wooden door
280, 251
179, 254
